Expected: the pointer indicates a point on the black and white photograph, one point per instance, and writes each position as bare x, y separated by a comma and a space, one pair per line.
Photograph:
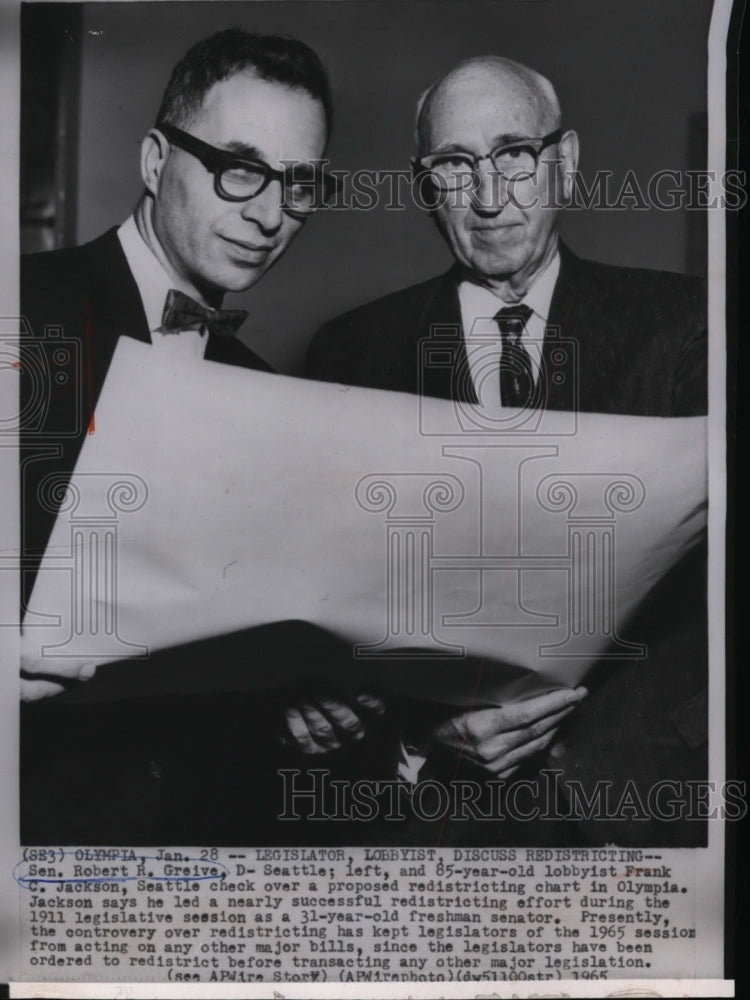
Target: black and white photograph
371, 366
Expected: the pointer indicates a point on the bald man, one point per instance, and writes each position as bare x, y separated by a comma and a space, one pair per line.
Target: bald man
495, 162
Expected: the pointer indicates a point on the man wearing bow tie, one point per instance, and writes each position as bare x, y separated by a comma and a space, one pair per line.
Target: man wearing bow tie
496, 162
231, 172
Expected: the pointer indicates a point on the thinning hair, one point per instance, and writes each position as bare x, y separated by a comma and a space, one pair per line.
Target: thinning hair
539, 91
275, 58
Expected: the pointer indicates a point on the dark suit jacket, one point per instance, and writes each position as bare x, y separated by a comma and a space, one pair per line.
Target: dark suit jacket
171, 749
640, 338
76, 303
125, 758
640, 349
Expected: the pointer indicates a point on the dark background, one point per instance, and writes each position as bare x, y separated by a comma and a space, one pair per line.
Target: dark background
631, 75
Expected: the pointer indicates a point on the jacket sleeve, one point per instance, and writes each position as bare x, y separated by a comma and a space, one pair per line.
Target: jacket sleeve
690, 387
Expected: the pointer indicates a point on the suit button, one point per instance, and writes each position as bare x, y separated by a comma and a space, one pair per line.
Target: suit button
557, 750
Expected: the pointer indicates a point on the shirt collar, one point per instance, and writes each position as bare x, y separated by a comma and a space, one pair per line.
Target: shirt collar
480, 301
152, 280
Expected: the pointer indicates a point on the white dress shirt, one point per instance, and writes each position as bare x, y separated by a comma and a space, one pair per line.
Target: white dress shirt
153, 285
479, 306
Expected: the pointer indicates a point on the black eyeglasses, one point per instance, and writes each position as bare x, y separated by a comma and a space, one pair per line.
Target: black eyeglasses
306, 186
514, 161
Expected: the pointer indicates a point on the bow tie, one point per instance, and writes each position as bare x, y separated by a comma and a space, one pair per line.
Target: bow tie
183, 313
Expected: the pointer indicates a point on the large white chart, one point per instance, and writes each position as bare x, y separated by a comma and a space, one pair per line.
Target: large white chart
396, 522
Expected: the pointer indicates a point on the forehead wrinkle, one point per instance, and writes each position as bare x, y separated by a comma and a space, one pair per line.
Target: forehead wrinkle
262, 129
522, 90
496, 141
222, 111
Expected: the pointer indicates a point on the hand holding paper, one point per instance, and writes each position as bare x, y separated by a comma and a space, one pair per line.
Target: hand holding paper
323, 723
212, 499
499, 740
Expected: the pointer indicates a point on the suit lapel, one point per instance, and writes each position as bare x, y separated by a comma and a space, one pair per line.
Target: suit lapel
102, 304
233, 351
116, 301
440, 333
561, 351
113, 310
444, 363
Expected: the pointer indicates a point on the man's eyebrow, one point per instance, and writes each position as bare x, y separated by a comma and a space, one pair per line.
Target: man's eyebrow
254, 153
503, 139
242, 149
450, 147
507, 138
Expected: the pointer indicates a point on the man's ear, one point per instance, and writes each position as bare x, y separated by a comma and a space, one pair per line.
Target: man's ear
154, 152
569, 150
422, 187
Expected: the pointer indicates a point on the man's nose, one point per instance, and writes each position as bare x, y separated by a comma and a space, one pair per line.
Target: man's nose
490, 191
265, 208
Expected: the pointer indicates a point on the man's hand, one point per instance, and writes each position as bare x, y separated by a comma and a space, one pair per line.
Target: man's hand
321, 724
499, 740
33, 689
